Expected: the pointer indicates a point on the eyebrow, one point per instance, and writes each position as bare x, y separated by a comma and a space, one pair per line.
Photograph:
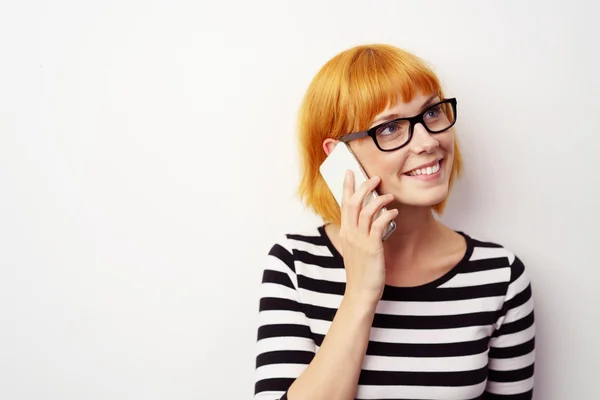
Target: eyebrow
389, 117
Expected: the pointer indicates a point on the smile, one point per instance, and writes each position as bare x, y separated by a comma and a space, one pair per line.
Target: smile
431, 170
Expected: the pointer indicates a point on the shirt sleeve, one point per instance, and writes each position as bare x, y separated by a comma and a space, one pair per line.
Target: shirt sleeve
512, 346
284, 341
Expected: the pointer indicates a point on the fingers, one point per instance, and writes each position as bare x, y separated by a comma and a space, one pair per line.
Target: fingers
352, 201
365, 219
346, 196
348, 187
379, 226
368, 213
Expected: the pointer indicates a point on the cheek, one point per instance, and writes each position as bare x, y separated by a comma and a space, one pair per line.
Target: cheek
448, 146
447, 143
386, 165
391, 169
395, 164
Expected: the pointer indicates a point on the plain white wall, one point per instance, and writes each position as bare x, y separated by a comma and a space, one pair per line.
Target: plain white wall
147, 164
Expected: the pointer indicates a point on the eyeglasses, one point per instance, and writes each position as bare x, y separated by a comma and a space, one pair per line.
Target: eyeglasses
395, 134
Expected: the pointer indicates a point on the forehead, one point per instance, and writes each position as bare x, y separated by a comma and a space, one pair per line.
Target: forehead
409, 108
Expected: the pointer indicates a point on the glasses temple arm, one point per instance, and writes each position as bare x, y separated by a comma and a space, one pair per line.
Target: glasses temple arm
353, 136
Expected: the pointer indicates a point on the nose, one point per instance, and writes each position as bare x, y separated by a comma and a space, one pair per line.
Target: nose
422, 140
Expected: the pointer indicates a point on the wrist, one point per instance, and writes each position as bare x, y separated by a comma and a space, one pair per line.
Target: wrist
361, 302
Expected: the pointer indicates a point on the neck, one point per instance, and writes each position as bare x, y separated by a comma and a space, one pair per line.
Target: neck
417, 233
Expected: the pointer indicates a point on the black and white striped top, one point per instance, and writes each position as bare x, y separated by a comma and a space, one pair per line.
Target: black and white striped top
467, 335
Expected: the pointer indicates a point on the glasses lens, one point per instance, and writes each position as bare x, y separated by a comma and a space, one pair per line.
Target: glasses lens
439, 117
393, 134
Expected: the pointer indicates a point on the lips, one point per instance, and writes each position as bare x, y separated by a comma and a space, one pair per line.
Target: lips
426, 169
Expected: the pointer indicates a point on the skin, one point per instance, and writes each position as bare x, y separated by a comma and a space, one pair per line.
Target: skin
419, 251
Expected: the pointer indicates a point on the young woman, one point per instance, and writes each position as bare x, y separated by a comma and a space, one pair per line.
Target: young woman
429, 313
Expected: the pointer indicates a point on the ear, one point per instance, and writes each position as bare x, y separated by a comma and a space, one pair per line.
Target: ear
329, 144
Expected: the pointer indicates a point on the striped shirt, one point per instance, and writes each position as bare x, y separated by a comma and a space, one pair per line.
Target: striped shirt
467, 335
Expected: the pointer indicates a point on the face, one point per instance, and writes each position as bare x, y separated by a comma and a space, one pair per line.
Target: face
408, 172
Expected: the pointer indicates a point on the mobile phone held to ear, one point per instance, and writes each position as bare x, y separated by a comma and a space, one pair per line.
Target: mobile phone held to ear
333, 170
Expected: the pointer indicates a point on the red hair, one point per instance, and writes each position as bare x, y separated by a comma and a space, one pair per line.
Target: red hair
344, 97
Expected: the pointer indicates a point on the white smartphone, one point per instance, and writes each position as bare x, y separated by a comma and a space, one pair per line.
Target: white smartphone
333, 170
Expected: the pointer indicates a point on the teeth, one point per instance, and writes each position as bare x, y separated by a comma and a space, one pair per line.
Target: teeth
426, 171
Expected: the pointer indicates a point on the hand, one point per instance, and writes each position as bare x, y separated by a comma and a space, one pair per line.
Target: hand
361, 239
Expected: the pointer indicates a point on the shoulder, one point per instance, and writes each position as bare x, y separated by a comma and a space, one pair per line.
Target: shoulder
307, 245
494, 255
311, 240
312, 265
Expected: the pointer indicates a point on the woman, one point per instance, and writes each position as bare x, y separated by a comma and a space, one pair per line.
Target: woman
429, 313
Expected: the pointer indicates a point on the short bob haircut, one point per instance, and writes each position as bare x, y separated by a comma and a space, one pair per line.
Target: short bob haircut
344, 97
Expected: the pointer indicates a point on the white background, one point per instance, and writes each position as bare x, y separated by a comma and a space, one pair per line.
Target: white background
147, 164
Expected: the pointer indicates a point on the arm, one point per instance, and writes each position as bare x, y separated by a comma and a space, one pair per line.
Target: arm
333, 372
287, 367
512, 346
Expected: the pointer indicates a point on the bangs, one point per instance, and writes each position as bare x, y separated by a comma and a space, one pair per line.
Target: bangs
376, 79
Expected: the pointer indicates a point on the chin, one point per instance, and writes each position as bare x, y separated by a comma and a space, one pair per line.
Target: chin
422, 197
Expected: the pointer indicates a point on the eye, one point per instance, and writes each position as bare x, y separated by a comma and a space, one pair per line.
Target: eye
388, 130
434, 112
393, 128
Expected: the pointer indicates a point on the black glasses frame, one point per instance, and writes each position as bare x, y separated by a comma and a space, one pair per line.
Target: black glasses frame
417, 119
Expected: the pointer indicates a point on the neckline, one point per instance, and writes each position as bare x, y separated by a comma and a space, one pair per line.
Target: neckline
389, 289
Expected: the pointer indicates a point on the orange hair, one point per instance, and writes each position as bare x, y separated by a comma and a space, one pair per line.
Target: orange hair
344, 97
